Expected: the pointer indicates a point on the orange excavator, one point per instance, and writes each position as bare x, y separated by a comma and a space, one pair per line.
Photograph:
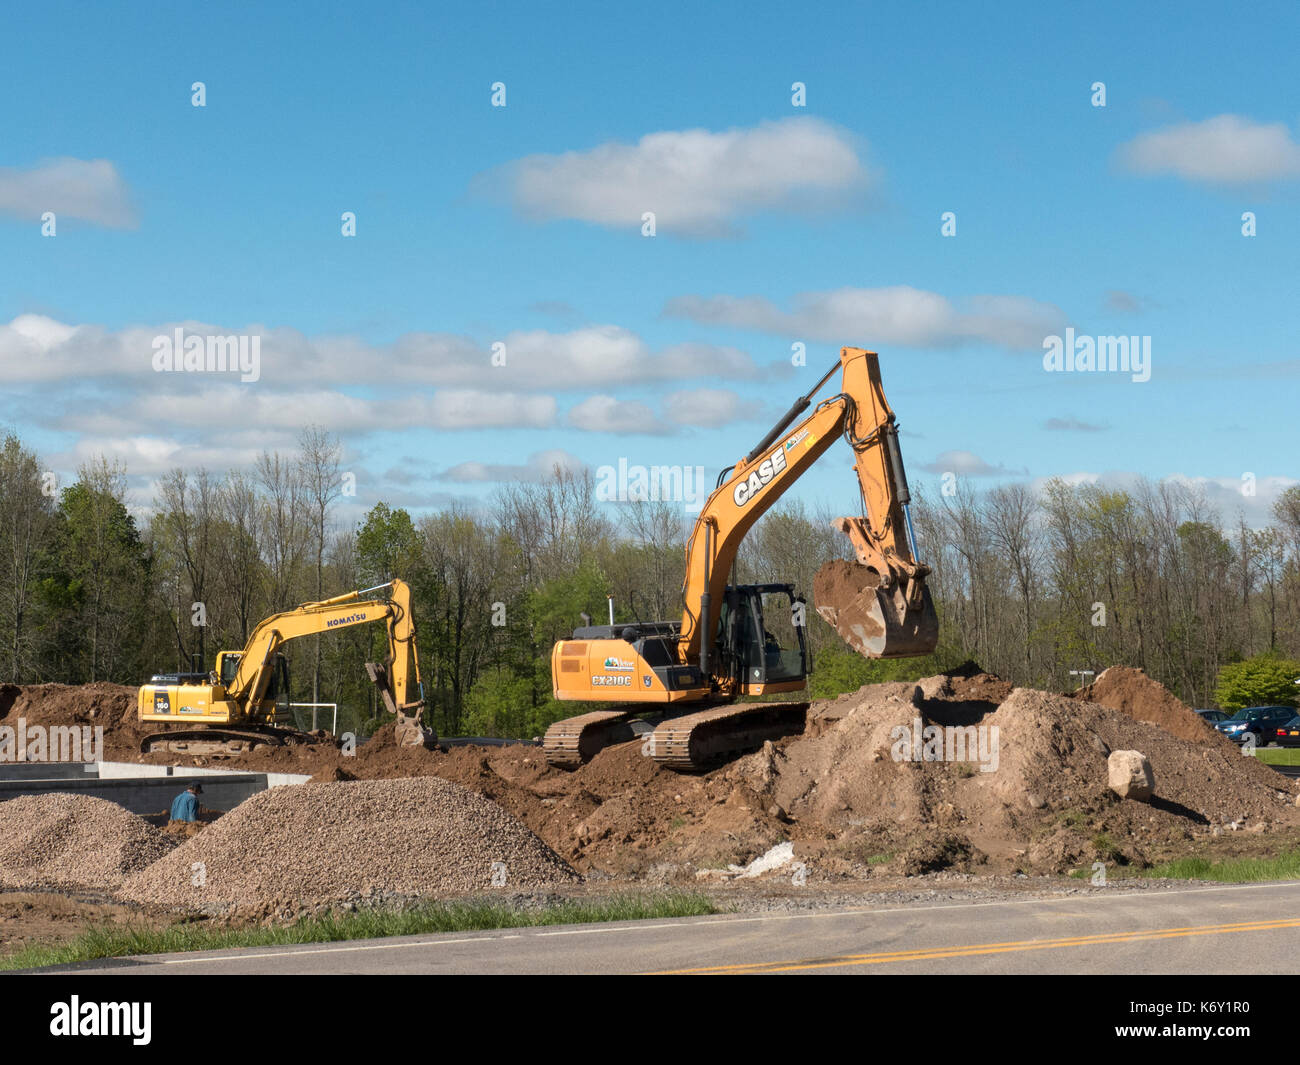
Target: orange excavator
689, 674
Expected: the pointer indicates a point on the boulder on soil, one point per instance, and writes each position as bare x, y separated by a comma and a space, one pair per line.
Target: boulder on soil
1130, 775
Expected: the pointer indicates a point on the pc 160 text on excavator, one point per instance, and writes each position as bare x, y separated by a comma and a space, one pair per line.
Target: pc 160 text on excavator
688, 674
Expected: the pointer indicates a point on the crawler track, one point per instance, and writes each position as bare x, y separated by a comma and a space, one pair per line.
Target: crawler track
687, 741
575, 740
707, 737
219, 740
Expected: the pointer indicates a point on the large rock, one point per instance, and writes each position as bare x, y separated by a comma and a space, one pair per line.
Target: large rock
1130, 775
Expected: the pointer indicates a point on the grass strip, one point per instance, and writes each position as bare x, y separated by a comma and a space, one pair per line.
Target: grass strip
1284, 866
119, 941
1278, 755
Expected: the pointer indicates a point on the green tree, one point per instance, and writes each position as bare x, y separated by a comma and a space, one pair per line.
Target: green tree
388, 545
1265, 680
100, 576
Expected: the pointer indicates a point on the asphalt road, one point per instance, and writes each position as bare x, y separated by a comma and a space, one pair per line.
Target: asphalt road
1253, 928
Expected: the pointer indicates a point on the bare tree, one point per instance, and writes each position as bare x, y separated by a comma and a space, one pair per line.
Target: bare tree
26, 515
318, 465
284, 526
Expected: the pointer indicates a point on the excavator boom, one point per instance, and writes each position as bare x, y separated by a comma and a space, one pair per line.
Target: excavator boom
896, 618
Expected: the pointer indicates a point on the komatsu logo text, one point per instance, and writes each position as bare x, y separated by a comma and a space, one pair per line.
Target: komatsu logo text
350, 619
767, 469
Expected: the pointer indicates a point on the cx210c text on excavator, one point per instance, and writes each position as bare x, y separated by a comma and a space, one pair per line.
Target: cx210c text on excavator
245, 701
689, 673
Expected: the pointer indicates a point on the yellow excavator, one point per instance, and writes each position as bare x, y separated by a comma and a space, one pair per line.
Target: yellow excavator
244, 702
690, 673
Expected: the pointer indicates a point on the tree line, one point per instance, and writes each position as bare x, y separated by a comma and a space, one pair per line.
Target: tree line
1031, 584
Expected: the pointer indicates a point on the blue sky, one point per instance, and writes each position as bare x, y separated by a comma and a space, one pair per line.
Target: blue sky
521, 224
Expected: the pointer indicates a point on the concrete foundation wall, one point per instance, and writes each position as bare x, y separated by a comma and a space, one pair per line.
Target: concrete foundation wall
142, 789
47, 770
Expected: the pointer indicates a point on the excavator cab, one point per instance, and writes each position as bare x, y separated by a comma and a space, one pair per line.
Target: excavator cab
277, 688
761, 638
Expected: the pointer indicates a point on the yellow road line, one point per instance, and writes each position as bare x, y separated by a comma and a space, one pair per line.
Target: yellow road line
930, 953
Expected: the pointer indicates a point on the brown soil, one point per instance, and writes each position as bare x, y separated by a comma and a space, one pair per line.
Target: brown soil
1133, 692
28, 918
844, 594
110, 706
837, 792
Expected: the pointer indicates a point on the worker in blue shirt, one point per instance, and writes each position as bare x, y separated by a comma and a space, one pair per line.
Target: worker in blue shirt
185, 807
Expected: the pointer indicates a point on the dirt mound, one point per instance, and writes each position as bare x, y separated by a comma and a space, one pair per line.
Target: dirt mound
1133, 692
110, 706
75, 842
353, 840
839, 792
911, 773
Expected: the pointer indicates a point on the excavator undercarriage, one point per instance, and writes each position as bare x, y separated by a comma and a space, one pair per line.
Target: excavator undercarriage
683, 740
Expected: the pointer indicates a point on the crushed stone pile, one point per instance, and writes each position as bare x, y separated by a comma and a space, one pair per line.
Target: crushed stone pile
1130, 690
74, 842
349, 841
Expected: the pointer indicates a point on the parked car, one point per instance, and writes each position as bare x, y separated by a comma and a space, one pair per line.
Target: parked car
1214, 716
1288, 735
1262, 722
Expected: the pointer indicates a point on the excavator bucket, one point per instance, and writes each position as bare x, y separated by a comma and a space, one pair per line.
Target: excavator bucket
891, 617
411, 733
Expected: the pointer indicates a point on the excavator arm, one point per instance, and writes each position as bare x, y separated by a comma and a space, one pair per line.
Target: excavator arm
896, 618
878, 604
397, 678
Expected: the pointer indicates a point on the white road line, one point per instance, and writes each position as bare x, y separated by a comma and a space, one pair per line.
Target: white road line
255, 952
617, 928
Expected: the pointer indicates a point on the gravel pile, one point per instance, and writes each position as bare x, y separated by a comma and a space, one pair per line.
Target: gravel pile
75, 842
350, 841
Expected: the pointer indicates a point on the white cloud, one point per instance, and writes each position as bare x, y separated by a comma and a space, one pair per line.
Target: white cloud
698, 408
898, 314
708, 407
238, 404
1226, 149
87, 189
538, 465
36, 348
152, 456
695, 181
965, 464
1071, 424
605, 414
